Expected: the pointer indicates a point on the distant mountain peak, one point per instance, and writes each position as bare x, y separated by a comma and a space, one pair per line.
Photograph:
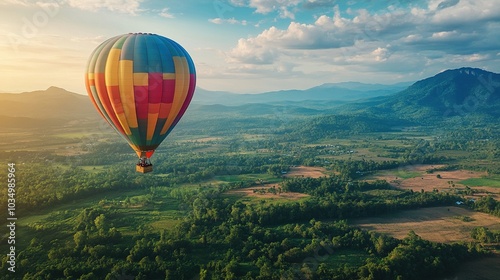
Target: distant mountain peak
52, 103
459, 74
57, 90
469, 70
464, 71
54, 88
455, 92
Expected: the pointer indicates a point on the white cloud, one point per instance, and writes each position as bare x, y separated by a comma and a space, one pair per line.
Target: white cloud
266, 6
325, 33
216, 20
444, 35
239, 3
164, 13
380, 54
230, 21
249, 52
467, 11
470, 58
282, 7
15, 2
312, 4
121, 6
412, 38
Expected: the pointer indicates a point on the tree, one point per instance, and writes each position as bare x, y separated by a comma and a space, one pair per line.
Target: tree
101, 223
80, 238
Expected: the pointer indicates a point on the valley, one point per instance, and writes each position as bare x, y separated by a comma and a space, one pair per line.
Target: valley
276, 194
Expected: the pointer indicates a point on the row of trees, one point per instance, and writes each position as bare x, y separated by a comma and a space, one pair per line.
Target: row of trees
487, 204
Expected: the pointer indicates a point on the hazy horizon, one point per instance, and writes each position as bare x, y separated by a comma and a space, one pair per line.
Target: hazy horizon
221, 91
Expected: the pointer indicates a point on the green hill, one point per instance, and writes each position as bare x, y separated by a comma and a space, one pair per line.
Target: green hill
53, 106
460, 92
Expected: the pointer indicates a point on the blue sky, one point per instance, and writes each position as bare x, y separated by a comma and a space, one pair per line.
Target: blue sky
251, 46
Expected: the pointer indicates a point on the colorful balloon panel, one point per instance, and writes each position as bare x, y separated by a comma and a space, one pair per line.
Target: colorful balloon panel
141, 84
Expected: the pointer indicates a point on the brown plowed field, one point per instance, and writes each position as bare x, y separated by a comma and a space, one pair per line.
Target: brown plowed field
252, 192
296, 171
484, 269
438, 224
429, 181
306, 171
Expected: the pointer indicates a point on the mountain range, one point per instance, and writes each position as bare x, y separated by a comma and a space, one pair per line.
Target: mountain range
346, 91
457, 92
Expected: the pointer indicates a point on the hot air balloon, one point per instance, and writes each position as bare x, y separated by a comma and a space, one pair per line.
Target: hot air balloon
141, 84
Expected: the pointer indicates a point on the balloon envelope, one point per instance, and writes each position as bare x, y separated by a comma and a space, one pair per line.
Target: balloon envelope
141, 84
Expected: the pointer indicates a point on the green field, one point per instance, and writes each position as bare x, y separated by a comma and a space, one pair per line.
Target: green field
482, 182
346, 257
384, 193
399, 173
267, 178
404, 174
94, 168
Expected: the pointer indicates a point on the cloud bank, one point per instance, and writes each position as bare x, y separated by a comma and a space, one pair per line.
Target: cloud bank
396, 38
